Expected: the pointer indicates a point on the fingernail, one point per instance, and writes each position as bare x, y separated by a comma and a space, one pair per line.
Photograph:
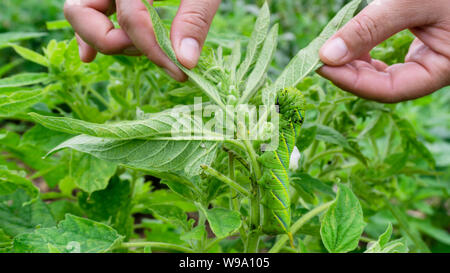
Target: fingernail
80, 51
335, 50
190, 50
132, 50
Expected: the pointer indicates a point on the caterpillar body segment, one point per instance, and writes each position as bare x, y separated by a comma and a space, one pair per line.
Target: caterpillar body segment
276, 196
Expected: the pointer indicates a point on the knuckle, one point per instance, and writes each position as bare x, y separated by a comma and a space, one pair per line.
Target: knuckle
365, 28
196, 20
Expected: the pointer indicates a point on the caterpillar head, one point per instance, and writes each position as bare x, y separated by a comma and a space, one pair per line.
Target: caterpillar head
291, 103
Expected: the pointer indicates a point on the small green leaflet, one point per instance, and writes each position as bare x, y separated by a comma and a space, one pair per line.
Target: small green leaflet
343, 223
257, 38
262, 65
166, 45
308, 60
384, 246
72, 235
30, 55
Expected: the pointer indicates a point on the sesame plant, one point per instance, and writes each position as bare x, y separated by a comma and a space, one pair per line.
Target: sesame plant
114, 156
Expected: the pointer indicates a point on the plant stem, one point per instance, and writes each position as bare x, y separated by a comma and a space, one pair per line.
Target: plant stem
254, 162
225, 180
157, 245
298, 224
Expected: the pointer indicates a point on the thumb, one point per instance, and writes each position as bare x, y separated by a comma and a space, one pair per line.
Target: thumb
190, 28
377, 22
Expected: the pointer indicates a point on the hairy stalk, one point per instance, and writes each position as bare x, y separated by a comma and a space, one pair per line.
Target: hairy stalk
298, 224
157, 245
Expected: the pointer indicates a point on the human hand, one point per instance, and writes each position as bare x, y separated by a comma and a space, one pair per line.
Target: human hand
96, 33
427, 65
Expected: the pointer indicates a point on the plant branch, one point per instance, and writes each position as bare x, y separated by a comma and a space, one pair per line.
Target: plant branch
225, 179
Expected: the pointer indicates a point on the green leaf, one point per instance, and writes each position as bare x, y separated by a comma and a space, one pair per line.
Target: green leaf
23, 79
17, 218
42, 138
197, 233
384, 246
72, 235
223, 222
157, 125
343, 223
10, 181
166, 45
157, 155
90, 173
30, 55
257, 38
330, 135
20, 101
170, 213
308, 60
262, 65
307, 185
306, 137
112, 205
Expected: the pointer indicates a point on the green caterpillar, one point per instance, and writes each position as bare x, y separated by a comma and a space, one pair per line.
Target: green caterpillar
275, 181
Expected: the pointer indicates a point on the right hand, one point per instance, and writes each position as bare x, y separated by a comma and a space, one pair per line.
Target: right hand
427, 65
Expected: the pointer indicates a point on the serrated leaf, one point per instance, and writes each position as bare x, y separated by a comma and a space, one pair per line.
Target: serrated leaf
166, 45
23, 79
308, 59
74, 234
157, 155
343, 223
262, 65
257, 38
30, 55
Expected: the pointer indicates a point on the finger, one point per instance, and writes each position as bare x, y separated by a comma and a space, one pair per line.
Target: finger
190, 28
376, 23
87, 53
422, 74
92, 25
134, 19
